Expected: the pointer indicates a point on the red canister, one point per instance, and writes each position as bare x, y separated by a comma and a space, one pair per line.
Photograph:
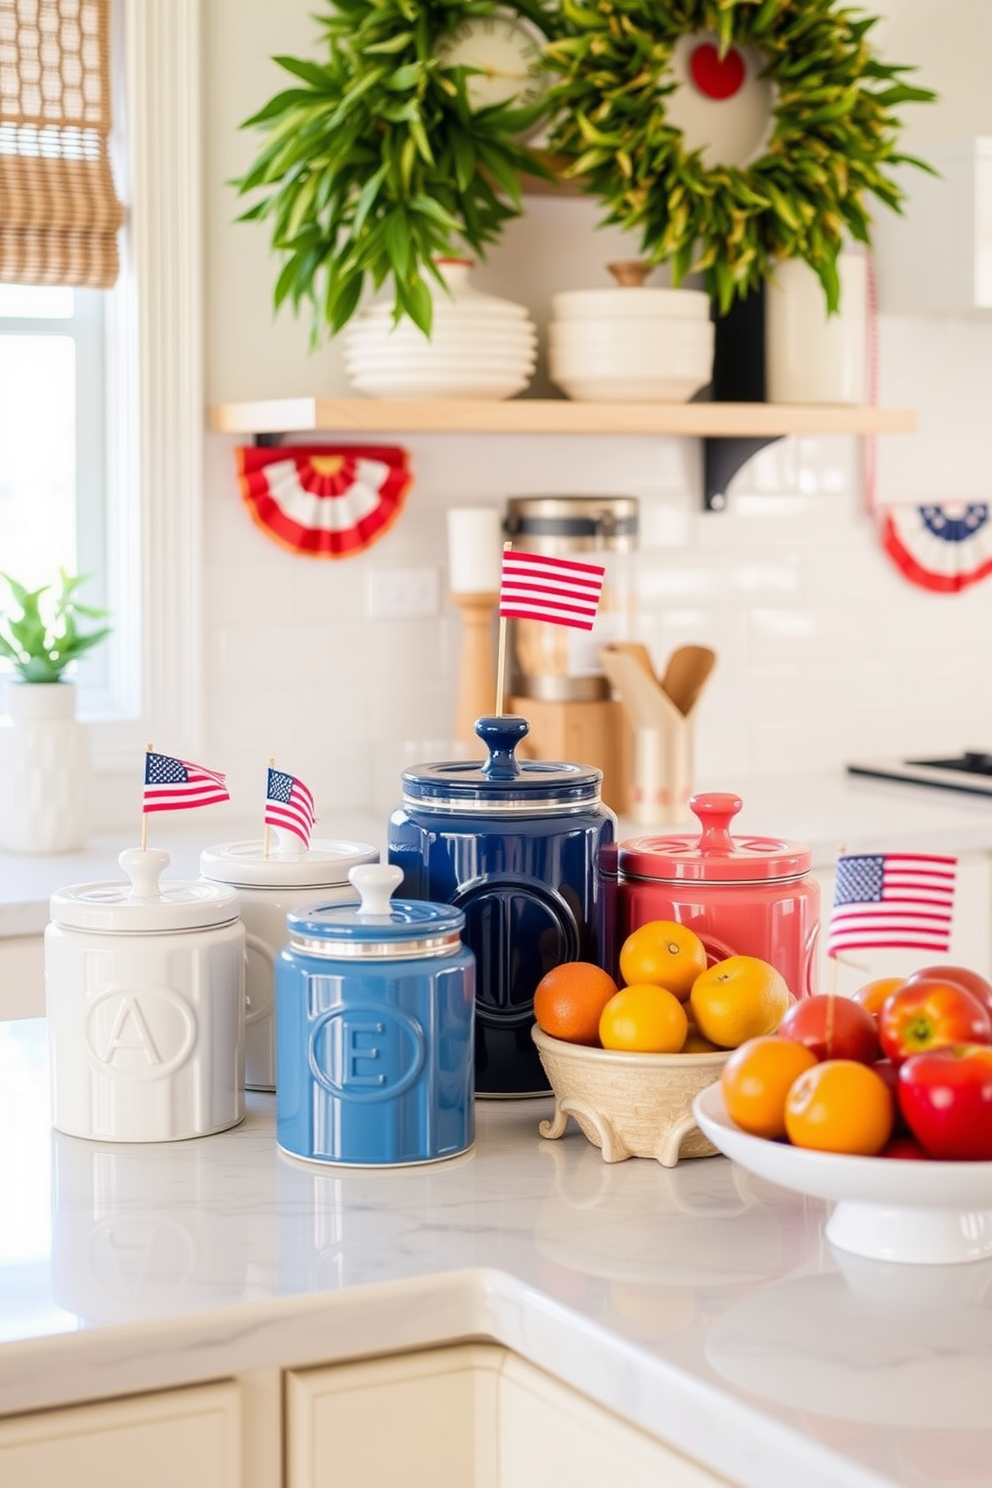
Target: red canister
743, 896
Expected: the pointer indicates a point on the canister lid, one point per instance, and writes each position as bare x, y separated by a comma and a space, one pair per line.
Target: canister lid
714, 856
143, 905
378, 925
502, 784
288, 866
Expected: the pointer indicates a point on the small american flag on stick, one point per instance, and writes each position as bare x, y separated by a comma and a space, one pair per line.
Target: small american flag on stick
560, 591
289, 805
892, 901
176, 784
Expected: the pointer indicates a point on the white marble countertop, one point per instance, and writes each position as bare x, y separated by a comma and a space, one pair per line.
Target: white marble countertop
704, 1305
828, 811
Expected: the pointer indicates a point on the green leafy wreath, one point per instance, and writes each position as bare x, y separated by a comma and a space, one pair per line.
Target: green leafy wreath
375, 164
834, 135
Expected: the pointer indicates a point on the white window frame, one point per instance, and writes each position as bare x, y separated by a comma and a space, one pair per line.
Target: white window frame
154, 357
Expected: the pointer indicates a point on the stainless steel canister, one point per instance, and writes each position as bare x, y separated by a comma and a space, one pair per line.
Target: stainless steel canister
559, 663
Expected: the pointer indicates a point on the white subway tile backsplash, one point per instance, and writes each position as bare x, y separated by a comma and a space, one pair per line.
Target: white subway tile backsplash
825, 651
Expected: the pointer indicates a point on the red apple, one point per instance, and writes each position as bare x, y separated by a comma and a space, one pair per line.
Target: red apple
832, 1027
889, 1072
946, 1098
905, 1147
962, 976
930, 1015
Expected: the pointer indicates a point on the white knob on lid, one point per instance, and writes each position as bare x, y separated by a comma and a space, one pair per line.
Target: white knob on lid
376, 883
144, 869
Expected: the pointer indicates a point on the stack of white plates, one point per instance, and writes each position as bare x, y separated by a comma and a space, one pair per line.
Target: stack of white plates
479, 347
630, 343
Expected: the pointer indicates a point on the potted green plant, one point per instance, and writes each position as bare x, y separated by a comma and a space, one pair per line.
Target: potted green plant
827, 154
407, 144
45, 764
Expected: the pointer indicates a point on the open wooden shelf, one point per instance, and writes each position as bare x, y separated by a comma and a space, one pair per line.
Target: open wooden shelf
552, 416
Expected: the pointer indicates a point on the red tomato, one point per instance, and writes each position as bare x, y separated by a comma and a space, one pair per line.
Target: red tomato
931, 1014
961, 976
946, 1098
832, 1027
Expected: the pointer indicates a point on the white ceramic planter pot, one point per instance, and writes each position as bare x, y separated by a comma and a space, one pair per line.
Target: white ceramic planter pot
46, 771
811, 357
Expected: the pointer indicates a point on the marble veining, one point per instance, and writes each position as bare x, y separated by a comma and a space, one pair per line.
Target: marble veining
701, 1303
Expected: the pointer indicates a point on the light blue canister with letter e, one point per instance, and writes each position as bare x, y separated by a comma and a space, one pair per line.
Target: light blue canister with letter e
375, 1009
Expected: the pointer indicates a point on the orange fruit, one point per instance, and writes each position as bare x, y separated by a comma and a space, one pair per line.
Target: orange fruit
756, 1080
873, 994
738, 999
696, 1044
840, 1106
643, 1019
664, 953
569, 1000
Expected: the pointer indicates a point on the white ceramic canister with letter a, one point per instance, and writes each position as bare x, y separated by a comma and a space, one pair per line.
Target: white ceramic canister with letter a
145, 993
290, 877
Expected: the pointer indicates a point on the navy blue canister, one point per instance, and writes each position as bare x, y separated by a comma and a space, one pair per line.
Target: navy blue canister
516, 845
375, 1006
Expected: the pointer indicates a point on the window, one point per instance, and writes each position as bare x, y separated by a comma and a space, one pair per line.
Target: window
152, 468
52, 458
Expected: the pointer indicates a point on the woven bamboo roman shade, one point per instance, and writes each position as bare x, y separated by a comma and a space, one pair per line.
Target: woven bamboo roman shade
59, 212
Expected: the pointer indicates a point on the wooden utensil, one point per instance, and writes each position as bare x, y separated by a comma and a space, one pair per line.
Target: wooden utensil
638, 652
687, 670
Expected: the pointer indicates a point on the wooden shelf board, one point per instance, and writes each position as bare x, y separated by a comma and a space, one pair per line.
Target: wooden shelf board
551, 416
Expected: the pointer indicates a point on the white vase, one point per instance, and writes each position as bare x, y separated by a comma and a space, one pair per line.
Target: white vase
46, 771
811, 357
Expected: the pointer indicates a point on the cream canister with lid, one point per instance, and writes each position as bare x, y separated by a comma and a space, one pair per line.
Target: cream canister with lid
268, 887
145, 994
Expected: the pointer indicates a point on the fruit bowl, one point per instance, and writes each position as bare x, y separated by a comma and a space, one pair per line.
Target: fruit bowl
628, 1105
887, 1209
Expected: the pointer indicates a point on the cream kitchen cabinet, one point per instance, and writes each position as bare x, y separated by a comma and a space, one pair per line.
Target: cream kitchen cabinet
189, 1437
470, 1415
971, 934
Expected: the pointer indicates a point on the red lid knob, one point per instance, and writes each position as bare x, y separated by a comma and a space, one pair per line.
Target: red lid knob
715, 810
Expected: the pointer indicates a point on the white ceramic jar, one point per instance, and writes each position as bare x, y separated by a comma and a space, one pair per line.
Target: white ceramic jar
267, 888
810, 356
145, 994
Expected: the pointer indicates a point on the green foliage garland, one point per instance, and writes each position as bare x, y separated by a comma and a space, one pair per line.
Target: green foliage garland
374, 163
44, 638
834, 135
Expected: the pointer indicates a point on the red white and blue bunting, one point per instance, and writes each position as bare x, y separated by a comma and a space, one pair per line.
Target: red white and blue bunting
945, 548
324, 500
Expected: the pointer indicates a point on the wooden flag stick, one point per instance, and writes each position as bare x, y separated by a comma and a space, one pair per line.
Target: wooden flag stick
266, 833
144, 813
832, 977
501, 651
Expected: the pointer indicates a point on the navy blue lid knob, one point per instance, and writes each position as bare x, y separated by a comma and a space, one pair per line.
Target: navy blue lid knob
501, 736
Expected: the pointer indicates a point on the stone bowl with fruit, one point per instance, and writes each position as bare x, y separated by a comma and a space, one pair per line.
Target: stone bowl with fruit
881, 1104
626, 1061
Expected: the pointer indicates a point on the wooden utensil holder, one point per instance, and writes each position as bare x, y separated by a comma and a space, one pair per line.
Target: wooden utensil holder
595, 733
476, 697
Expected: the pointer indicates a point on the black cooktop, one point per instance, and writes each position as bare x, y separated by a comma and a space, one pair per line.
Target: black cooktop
970, 772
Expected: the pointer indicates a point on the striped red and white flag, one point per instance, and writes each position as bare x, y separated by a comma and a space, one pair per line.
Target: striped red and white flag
894, 901
289, 804
560, 591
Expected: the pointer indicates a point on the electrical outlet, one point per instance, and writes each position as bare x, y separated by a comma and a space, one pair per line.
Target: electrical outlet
401, 593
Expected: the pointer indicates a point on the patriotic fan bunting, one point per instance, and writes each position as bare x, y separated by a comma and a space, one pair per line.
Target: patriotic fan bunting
326, 501
895, 901
944, 548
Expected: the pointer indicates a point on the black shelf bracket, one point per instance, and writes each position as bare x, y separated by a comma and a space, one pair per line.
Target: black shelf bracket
722, 458
738, 377
267, 441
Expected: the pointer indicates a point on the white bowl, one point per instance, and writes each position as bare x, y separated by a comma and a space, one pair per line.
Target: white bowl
630, 302
447, 361
423, 383
889, 1209
653, 336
